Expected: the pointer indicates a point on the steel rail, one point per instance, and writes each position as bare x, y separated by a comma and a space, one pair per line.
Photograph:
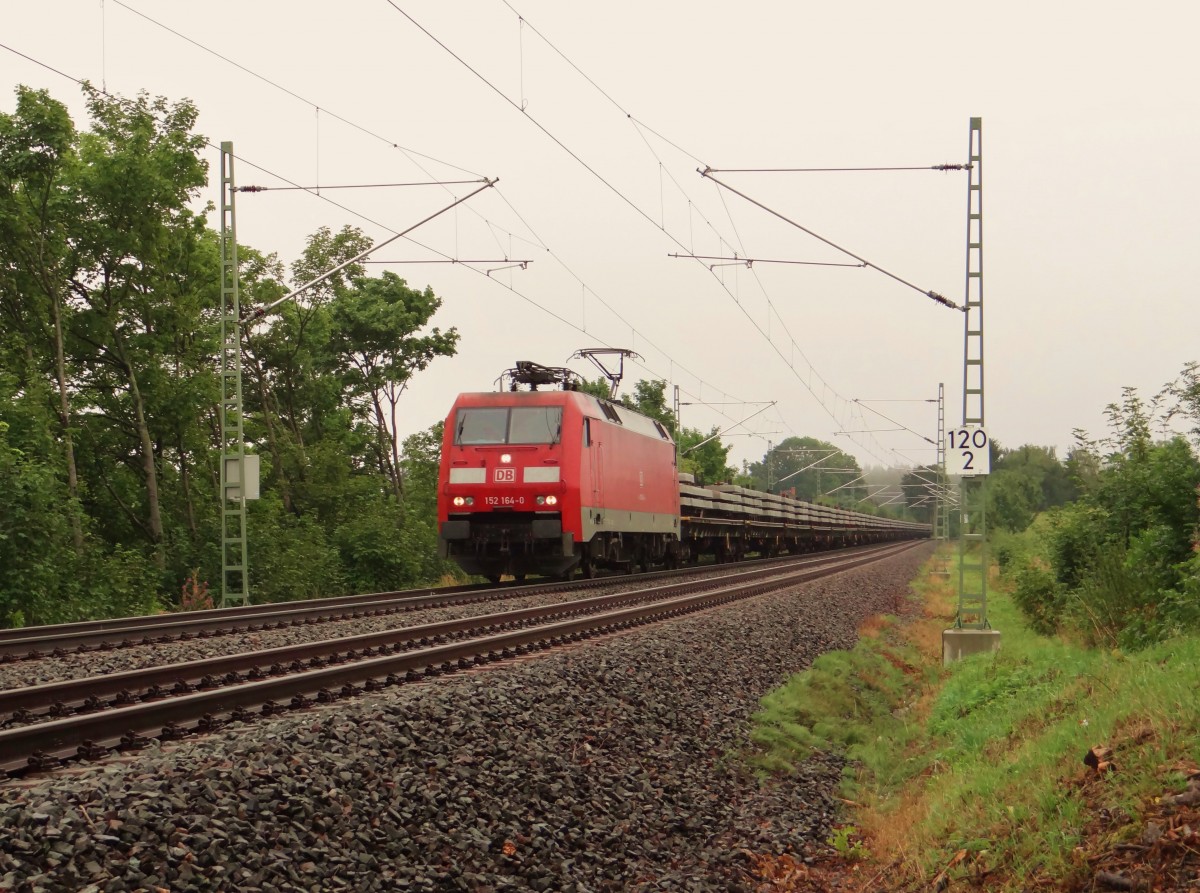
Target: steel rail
159, 628
51, 631
74, 695
93, 735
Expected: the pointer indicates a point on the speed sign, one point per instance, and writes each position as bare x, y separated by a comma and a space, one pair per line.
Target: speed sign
968, 452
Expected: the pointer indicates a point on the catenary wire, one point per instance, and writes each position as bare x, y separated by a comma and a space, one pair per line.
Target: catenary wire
365, 218
639, 125
805, 170
368, 131
642, 213
291, 93
376, 223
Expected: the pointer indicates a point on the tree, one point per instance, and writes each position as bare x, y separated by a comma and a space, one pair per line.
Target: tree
1183, 395
38, 211
377, 343
137, 290
599, 388
110, 442
920, 490
1122, 566
650, 399
805, 468
1024, 482
704, 456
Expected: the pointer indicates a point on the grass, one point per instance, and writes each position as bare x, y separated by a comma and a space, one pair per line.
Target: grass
985, 756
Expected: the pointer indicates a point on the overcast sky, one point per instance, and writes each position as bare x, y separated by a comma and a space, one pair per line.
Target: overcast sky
1091, 127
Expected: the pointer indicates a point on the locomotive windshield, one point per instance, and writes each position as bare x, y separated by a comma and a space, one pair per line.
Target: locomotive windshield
524, 424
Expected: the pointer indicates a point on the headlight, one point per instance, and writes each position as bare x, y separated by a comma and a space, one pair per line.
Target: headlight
551, 500
463, 500
505, 458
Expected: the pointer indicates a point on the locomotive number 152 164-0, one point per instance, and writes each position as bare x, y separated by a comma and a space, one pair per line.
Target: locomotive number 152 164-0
504, 500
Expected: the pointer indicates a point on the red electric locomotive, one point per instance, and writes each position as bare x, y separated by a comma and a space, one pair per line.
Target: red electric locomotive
550, 481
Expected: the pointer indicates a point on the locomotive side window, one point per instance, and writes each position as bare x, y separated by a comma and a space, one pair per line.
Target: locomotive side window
535, 424
481, 426
587, 431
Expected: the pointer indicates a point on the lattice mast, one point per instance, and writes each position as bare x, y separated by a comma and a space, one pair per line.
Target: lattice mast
941, 504
973, 559
235, 566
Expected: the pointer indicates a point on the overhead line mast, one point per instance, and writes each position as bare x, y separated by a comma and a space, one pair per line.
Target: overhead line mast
972, 633
239, 470
235, 565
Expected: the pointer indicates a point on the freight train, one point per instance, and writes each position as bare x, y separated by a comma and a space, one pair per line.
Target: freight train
557, 482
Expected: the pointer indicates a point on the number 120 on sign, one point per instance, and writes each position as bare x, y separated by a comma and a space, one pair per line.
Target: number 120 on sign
967, 452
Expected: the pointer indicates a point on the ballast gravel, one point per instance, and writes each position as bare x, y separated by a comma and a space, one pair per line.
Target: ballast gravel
612, 765
95, 663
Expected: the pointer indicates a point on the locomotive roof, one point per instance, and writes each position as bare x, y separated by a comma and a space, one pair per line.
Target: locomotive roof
602, 409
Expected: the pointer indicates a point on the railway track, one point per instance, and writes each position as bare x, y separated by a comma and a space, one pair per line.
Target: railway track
206, 695
105, 635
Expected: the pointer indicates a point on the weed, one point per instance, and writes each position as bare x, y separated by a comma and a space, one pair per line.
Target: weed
848, 843
194, 593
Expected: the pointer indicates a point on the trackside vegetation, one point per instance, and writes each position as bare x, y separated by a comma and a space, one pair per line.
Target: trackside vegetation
109, 386
975, 773
976, 770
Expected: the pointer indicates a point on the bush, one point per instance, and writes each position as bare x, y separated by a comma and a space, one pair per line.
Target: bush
290, 557
1040, 597
373, 549
1011, 550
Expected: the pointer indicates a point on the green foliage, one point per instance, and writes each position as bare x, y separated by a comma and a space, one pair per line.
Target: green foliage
1182, 397
784, 469
291, 557
109, 393
1041, 598
705, 456
599, 388
650, 399
1118, 566
847, 842
43, 578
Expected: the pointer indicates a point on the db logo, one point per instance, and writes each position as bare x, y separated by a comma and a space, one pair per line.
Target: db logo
506, 476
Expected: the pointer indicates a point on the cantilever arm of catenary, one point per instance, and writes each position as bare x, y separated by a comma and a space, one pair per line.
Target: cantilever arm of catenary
262, 311
730, 428
933, 295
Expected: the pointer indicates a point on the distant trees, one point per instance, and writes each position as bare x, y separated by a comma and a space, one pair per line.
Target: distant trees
1024, 482
807, 468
